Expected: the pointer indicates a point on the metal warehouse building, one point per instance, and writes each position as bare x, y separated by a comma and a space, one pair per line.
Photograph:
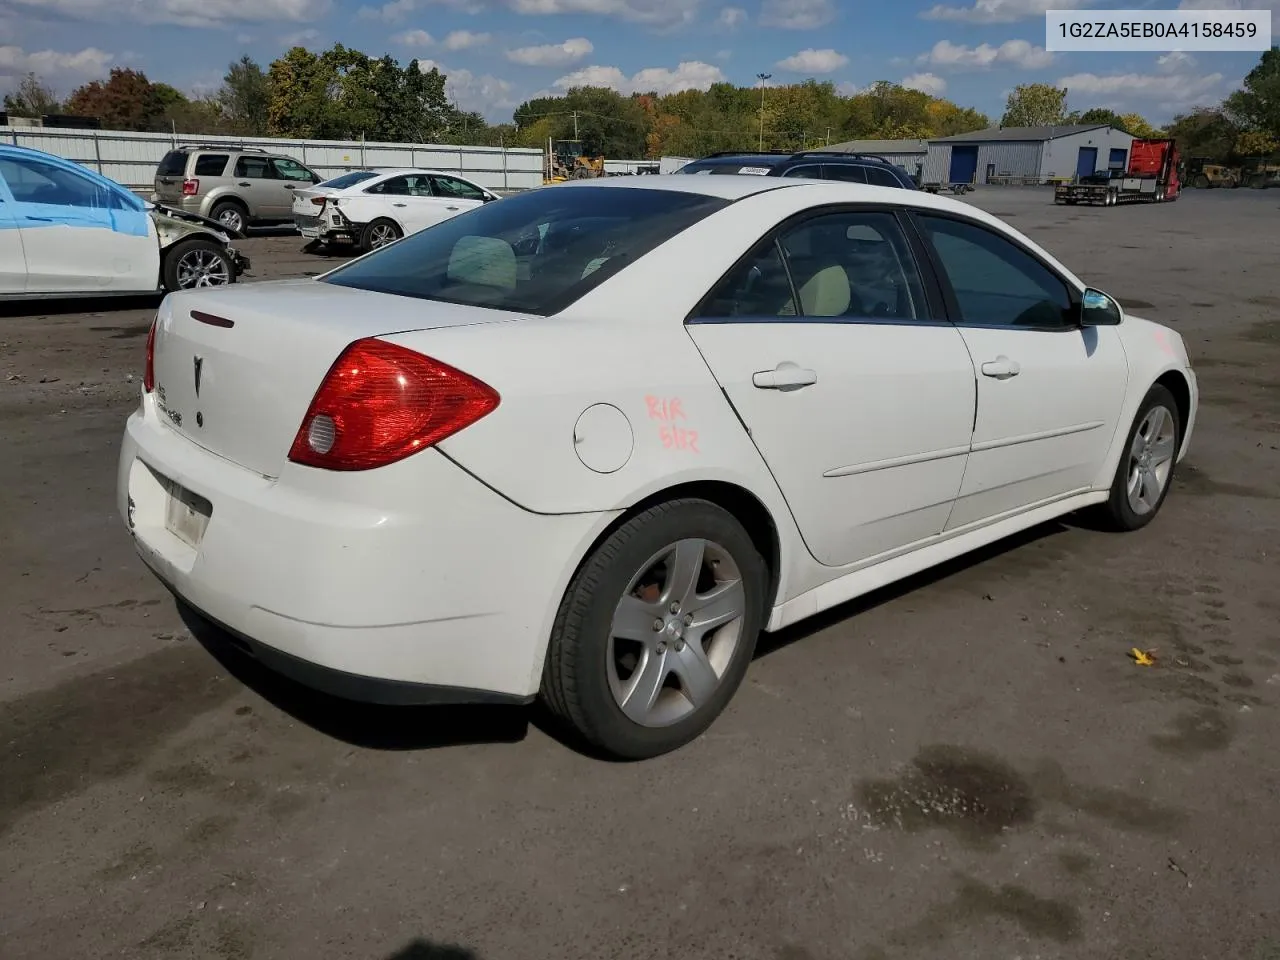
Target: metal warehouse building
908, 154
1026, 153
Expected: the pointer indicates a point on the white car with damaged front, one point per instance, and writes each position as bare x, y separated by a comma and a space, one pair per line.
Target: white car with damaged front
588, 442
372, 208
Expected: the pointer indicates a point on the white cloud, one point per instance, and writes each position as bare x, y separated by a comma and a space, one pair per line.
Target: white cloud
814, 61
1175, 61
656, 13
89, 62
847, 89
552, 54
1229, 5
1001, 11
465, 40
488, 95
690, 75
797, 14
731, 17
724, 54
1172, 88
1014, 53
190, 13
303, 38
929, 83
392, 12
414, 38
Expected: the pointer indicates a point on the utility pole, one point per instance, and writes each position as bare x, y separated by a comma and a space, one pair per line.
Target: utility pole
575, 124
762, 77
828, 136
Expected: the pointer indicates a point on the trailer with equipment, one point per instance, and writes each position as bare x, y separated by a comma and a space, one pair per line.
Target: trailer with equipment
1151, 177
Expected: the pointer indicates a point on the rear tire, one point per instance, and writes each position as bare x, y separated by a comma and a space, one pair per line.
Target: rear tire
231, 215
1145, 472
378, 234
653, 638
196, 263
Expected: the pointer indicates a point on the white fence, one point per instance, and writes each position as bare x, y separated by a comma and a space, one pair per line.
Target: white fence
131, 158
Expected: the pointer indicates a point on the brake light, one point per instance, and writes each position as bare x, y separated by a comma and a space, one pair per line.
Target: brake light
318, 201
190, 188
149, 371
380, 403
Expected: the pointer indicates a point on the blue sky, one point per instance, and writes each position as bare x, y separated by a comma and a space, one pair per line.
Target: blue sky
498, 53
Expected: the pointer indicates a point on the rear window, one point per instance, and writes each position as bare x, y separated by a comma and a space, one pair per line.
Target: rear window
880, 177
211, 164
535, 253
747, 167
174, 164
349, 179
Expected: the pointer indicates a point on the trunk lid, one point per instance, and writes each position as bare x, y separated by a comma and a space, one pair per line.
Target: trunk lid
169, 176
302, 205
237, 367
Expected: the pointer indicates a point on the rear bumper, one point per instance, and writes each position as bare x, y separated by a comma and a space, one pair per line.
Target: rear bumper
411, 584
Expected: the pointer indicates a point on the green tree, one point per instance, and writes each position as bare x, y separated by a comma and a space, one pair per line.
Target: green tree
1205, 132
1137, 125
1256, 106
1097, 115
245, 97
32, 98
1035, 105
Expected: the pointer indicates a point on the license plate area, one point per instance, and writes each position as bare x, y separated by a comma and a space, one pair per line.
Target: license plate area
186, 513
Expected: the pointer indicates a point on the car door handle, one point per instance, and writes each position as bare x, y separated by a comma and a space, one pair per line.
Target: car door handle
784, 375
1001, 368
451, 208
290, 186
399, 204
244, 183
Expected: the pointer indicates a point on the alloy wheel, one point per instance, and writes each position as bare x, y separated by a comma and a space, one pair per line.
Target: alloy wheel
1151, 459
675, 632
202, 268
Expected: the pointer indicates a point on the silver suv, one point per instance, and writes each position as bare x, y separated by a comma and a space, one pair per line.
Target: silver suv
237, 186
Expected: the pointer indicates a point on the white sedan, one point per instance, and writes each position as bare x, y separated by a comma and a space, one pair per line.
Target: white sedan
589, 442
373, 208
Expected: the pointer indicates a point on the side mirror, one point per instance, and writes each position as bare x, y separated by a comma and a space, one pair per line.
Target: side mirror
1099, 310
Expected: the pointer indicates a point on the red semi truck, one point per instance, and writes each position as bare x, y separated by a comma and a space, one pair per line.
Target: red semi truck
1152, 177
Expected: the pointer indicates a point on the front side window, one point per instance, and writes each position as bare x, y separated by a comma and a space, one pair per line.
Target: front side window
287, 169
996, 283
453, 187
880, 177
33, 181
535, 253
854, 265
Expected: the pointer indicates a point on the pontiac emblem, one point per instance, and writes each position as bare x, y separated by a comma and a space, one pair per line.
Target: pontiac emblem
199, 365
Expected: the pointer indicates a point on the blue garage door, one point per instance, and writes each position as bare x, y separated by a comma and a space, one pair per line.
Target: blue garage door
1087, 162
964, 164
1117, 159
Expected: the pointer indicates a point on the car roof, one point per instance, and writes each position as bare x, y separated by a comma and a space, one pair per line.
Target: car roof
16, 151
739, 187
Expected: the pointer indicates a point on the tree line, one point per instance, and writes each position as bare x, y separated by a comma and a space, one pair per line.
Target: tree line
344, 94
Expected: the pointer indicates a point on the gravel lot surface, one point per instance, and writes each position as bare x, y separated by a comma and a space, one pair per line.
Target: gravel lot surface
968, 766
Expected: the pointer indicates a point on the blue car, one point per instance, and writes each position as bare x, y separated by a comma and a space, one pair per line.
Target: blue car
66, 231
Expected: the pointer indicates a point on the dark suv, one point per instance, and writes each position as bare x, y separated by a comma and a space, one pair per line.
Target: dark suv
813, 164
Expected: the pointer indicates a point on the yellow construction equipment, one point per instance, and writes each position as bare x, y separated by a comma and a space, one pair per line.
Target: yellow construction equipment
1203, 174
566, 161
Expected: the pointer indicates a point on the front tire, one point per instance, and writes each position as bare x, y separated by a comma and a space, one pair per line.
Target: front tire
195, 263
656, 630
1145, 472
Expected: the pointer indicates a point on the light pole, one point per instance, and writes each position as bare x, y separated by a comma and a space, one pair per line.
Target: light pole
762, 78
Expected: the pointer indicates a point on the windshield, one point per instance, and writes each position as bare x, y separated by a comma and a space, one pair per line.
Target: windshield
535, 252
348, 179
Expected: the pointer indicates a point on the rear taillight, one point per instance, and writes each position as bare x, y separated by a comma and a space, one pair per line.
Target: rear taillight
190, 188
149, 371
380, 403
317, 201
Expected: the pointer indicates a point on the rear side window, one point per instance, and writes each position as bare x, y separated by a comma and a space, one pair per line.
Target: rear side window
174, 164
848, 172
211, 164
254, 168
534, 253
